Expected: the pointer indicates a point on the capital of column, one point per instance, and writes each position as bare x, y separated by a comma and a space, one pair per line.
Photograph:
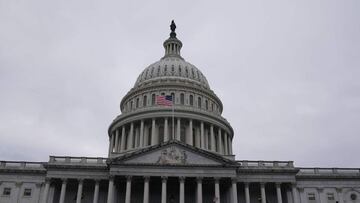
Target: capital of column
278, 184
80, 180
320, 189
47, 180
18, 184
216, 179
199, 179
246, 184
38, 185
97, 180
234, 180
182, 179
339, 190
128, 178
262, 184
111, 177
64, 180
146, 178
164, 178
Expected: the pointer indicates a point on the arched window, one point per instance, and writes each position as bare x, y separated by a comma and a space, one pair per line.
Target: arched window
212, 106
137, 102
144, 100
163, 93
153, 99
199, 102
191, 100
182, 98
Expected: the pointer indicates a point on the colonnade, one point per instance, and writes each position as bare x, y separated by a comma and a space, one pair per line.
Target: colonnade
153, 131
181, 181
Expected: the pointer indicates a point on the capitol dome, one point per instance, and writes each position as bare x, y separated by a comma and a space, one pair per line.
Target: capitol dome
171, 100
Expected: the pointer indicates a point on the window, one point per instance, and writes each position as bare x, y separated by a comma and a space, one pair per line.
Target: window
191, 99
137, 102
330, 196
311, 196
144, 100
206, 105
182, 98
212, 106
27, 192
131, 105
153, 99
199, 102
7, 191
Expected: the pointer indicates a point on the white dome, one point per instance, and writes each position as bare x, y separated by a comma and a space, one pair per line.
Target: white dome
172, 67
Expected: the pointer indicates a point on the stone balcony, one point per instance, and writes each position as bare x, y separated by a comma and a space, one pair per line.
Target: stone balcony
22, 166
69, 160
329, 173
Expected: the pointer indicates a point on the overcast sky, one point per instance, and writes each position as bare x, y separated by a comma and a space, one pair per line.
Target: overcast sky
287, 72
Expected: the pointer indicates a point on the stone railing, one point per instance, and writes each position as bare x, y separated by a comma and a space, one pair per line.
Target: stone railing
266, 164
77, 160
21, 165
329, 171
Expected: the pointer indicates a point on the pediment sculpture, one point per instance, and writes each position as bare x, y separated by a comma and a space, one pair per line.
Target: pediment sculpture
172, 155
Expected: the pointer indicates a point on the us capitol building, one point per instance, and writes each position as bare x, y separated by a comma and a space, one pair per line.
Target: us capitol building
172, 153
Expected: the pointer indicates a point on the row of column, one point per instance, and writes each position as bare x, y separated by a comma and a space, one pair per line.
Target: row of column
63, 191
121, 141
199, 193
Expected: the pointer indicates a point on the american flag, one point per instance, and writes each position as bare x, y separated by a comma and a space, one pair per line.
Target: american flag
164, 100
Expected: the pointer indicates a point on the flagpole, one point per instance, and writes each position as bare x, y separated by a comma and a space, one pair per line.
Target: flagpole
173, 123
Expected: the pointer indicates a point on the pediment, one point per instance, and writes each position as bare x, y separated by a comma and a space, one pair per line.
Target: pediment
173, 153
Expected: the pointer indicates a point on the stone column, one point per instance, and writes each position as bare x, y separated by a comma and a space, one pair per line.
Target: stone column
111, 143
263, 194
247, 193
63, 191
79, 191
153, 136
278, 192
202, 137
46, 190
128, 190
137, 138
294, 193
191, 136
199, 196
110, 197
226, 151
96, 191
123, 139
178, 129
219, 142
166, 130
163, 189
131, 136
212, 138
116, 140
234, 190
142, 133
18, 190
340, 195
230, 145
182, 190
320, 194
146, 189
217, 191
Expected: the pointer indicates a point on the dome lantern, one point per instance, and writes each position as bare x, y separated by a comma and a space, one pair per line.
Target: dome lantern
172, 45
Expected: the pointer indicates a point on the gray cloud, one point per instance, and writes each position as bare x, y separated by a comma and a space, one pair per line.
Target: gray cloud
287, 73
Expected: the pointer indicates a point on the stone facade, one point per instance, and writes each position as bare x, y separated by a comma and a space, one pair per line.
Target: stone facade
177, 153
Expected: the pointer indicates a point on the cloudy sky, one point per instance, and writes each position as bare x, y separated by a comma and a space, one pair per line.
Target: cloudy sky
288, 73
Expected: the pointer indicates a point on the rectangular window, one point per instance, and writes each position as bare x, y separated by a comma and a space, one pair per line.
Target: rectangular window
27, 192
7, 191
330, 196
311, 197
